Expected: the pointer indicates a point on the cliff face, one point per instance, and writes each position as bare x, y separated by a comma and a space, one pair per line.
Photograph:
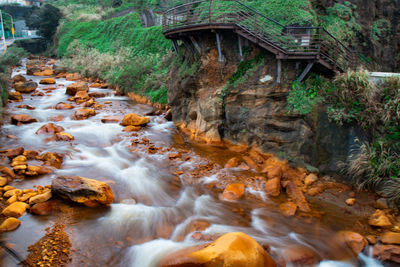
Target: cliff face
253, 113
379, 38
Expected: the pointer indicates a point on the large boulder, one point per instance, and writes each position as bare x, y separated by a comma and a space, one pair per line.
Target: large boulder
89, 192
31, 69
133, 119
379, 219
233, 192
25, 87
22, 119
72, 89
353, 240
19, 78
233, 249
15, 96
10, 224
46, 72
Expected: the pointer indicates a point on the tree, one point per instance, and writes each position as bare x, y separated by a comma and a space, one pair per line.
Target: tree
46, 19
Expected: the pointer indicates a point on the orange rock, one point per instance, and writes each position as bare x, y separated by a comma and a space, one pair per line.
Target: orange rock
299, 256
273, 187
83, 114
43, 209
233, 192
19, 78
7, 171
371, 239
64, 106
111, 119
82, 95
48, 81
275, 172
175, 155
390, 238
57, 118
353, 240
15, 96
351, 201
386, 253
49, 128
297, 195
256, 156
37, 170
72, 89
22, 119
51, 159
95, 85
232, 249
89, 192
46, 72
133, 119
232, 163
252, 164
97, 94
238, 148
310, 179
11, 153
63, 136
132, 129
379, 219
10, 224
72, 76
288, 209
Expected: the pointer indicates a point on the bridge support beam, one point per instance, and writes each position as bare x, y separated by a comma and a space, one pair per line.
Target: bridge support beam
195, 44
175, 45
240, 47
220, 58
305, 71
278, 71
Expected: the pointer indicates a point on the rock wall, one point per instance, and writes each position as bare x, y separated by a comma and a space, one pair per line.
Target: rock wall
254, 113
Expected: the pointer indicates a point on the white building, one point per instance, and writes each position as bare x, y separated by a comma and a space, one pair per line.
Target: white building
22, 2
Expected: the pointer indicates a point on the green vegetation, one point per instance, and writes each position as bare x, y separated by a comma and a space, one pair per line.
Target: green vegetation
340, 21
11, 58
46, 19
381, 29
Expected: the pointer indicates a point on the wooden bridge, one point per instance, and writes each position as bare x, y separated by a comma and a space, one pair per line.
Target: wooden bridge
313, 45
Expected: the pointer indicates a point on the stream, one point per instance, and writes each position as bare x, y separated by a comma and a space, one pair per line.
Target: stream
158, 201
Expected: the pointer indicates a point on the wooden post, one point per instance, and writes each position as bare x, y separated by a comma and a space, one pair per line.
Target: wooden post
240, 47
278, 71
219, 48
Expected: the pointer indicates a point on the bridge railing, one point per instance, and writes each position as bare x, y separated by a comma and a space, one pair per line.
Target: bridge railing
293, 41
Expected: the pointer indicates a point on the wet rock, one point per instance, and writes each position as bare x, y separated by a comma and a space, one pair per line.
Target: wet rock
97, 94
30, 154
83, 114
38, 170
48, 81
95, 85
30, 70
76, 87
49, 128
174, 155
57, 118
256, 156
251, 163
46, 72
299, 256
64, 106
16, 209
168, 115
3, 181
386, 253
371, 239
26, 107
82, 190
382, 204
111, 119
12, 192
133, 119
233, 192
46, 195
22, 119
26, 87
10, 224
232, 163
132, 129
273, 187
63, 136
7, 171
15, 96
12, 153
379, 219
232, 249
353, 240
42, 209
51, 159
310, 179
19, 78
288, 209
390, 238
274, 172
73, 77
350, 201
297, 195
82, 96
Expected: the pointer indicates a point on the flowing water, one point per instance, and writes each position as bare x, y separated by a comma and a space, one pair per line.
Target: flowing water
156, 199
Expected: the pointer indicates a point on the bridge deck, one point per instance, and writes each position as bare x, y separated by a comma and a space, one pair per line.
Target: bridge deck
286, 42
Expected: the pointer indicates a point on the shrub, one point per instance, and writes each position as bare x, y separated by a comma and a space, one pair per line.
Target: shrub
381, 29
